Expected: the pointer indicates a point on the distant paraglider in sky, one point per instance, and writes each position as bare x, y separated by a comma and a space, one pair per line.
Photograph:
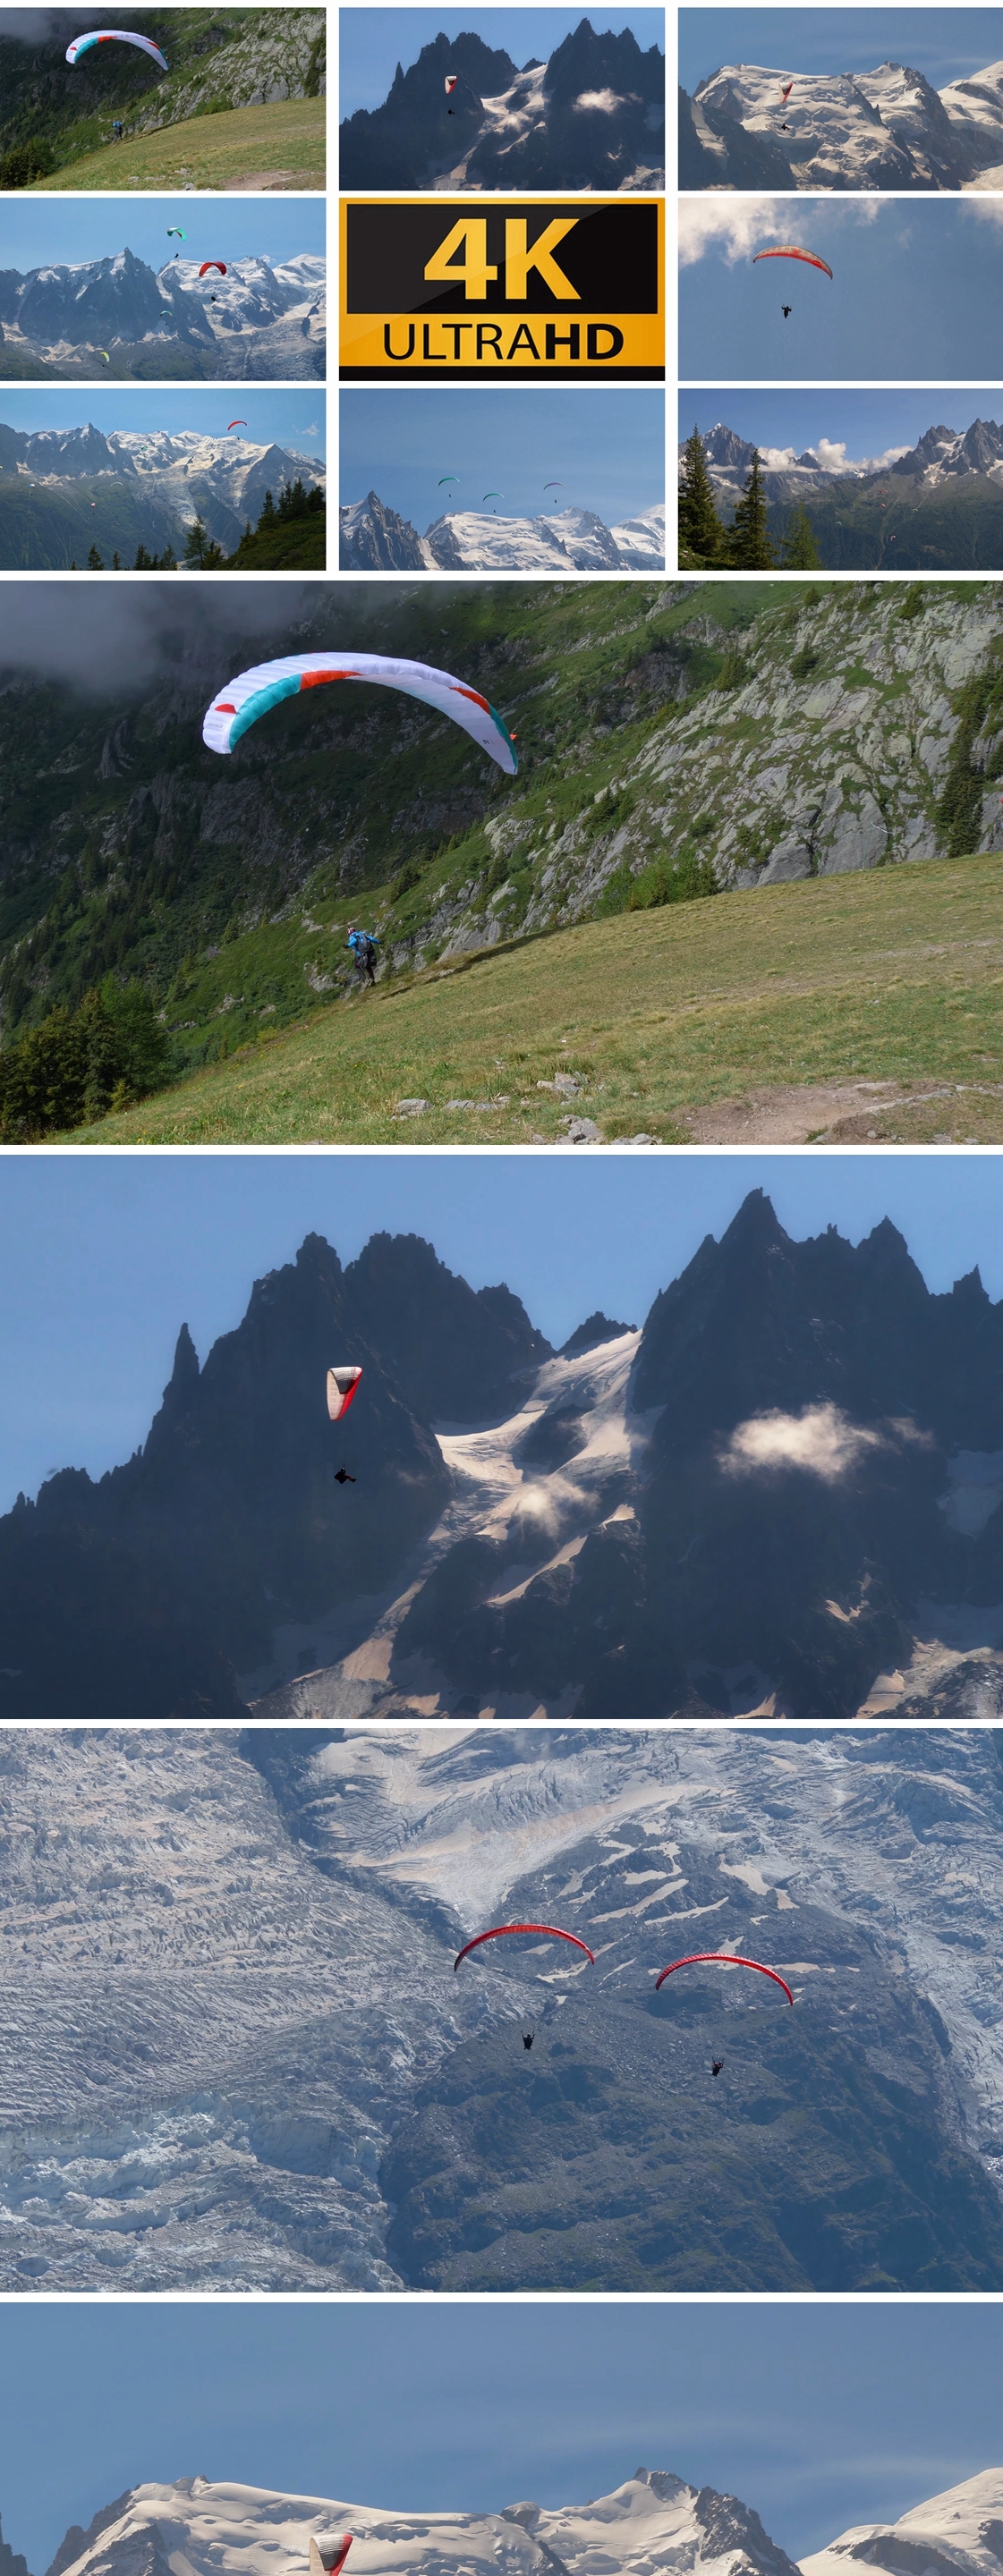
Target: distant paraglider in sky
790, 250
213, 263
252, 693
722, 1959
234, 424
451, 81
500, 1931
785, 91
114, 36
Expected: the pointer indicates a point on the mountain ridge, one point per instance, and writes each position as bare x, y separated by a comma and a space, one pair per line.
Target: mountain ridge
593, 116
884, 129
373, 537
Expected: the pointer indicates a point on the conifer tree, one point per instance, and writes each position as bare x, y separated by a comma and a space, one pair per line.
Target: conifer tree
700, 529
749, 547
801, 552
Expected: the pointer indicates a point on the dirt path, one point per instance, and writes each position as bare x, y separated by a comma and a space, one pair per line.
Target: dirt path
827, 1113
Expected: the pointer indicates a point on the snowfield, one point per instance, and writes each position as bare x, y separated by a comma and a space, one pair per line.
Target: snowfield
227, 1962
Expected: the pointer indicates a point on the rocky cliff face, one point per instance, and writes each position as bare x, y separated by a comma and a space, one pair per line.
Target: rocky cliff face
591, 117
135, 1595
235, 2055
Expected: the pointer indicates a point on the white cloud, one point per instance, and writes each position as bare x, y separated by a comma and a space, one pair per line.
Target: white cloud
736, 225
741, 225
822, 1441
604, 99
777, 457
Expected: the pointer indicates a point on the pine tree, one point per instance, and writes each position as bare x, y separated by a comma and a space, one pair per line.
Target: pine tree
801, 552
268, 513
700, 529
143, 560
749, 547
115, 564
94, 563
196, 541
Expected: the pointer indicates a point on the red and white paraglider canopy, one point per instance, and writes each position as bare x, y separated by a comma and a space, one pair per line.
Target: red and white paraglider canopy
451, 81
723, 1959
328, 2552
341, 1386
551, 1932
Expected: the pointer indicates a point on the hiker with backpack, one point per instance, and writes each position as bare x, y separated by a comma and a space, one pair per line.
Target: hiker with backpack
363, 947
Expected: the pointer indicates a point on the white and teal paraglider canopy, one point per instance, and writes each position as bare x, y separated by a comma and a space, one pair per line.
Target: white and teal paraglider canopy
252, 693
114, 36
341, 1386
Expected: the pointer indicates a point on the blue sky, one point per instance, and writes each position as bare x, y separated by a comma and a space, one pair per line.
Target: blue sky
106, 1255
916, 291
37, 231
867, 426
817, 2416
607, 446
944, 44
374, 41
294, 418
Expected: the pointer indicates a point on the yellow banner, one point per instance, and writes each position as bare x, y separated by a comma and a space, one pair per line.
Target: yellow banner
474, 287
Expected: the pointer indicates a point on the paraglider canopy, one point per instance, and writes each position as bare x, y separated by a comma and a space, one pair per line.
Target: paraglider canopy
555, 487
785, 89
253, 692
176, 228
450, 84
114, 36
722, 1959
341, 1386
789, 250
327, 2553
103, 353
551, 1932
213, 263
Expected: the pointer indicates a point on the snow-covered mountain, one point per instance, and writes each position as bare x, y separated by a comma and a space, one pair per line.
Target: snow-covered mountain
959, 2533
654, 2525
178, 472
593, 116
235, 2054
941, 455
374, 537
263, 319
881, 129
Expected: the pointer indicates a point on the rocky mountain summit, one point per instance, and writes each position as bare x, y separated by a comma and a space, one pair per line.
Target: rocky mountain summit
782, 1496
593, 116
161, 479
939, 453
881, 129
374, 538
654, 2520
263, 319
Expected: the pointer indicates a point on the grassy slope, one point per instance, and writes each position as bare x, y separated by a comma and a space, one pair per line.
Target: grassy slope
893, 973
210, 152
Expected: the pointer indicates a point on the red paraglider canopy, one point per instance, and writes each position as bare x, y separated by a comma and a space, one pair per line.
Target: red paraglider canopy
552, 1930
331, 2553
723, 1959
213, 263
789, 250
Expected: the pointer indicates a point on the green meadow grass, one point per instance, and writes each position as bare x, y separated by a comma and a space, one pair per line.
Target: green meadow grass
895, 974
